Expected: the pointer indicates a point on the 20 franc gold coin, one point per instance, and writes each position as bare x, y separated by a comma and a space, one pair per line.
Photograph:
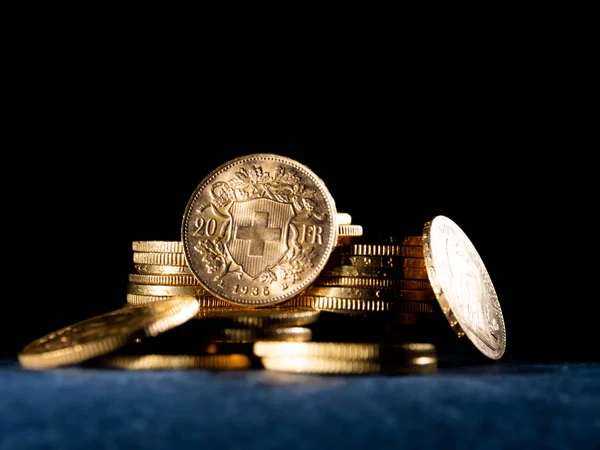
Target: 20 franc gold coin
107, 332
463, 287
259, 229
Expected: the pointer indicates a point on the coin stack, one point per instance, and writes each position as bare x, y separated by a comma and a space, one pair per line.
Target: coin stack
161, 271
262, 278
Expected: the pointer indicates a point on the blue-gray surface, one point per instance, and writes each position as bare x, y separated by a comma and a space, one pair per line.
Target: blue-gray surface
496, 406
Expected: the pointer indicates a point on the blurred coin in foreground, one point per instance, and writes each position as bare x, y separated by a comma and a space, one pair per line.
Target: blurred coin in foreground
107, 332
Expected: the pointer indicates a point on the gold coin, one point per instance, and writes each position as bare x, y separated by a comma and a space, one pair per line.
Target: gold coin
107, 332
343, 350
371, 282
371, 294
463, 286
204, 301
299, 301
157, 290
165, 259
360, 305
259, 318
357, 249
232, 361
386, 262
300, 334
158, 246
161, 269
345, 270
259, 229
165, 280
420, 365
344, 218
350, 230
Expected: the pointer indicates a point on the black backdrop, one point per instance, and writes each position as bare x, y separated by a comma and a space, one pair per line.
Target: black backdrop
103, 158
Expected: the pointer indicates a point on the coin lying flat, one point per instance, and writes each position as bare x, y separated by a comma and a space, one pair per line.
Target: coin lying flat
161, 269
157, 246
300, 364
232, 361
164, 290
261, 318
343, 350
344, 218
159, 258
165, 280
371, 282
371, 294
463, 286
105, 333
235, 335
259, 229
205, 301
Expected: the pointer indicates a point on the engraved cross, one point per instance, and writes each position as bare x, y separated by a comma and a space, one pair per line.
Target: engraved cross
258, 233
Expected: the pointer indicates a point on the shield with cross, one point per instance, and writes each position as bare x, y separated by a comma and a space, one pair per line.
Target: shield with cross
259, 233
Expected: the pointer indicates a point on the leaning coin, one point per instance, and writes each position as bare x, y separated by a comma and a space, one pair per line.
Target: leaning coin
105, 333
259, 229
463, 286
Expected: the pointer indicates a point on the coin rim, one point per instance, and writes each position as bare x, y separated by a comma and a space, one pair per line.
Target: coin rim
293, 163
442, 298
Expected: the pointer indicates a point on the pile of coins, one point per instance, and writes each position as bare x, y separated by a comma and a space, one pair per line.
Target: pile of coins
269, 275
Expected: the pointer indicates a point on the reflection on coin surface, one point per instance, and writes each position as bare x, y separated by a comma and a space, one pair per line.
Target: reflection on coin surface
463, 286
259, 229
107, 332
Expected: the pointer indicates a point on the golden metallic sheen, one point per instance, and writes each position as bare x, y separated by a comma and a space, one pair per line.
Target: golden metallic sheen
259, 318
259, 229
105, 333
232, 361
463, 286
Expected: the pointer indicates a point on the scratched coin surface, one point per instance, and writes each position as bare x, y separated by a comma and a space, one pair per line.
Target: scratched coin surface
463, 286
107, 332
259, 229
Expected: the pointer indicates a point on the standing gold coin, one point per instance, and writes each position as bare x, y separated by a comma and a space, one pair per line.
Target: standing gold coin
106, 333
259, 229
463, 286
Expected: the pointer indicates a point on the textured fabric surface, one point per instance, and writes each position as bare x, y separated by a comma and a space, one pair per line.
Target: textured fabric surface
490, 406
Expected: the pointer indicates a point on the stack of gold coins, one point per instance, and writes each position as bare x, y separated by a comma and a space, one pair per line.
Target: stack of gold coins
375, 292
160, 271
347, 358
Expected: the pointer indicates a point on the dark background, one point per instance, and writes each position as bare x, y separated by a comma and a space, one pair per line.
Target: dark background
107, 144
